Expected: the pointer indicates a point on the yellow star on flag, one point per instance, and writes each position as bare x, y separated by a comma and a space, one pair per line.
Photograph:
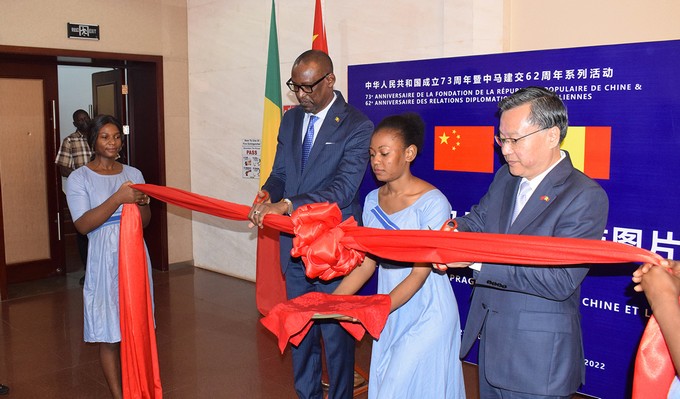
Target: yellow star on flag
444, 138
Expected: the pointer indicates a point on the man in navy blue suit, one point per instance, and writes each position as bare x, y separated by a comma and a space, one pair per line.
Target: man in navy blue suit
527, 318
321, 156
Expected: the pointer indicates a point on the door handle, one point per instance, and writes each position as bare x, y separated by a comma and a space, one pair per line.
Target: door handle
58, 226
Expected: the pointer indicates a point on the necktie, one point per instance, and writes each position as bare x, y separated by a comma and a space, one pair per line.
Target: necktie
309, 140
522, 198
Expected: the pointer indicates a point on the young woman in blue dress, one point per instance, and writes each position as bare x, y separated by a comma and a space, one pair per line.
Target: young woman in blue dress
417, 353
96, 193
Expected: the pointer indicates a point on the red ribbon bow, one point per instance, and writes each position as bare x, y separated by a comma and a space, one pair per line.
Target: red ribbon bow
319, 230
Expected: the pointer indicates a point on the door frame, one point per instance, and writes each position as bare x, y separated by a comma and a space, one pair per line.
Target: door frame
151, 122
46, 73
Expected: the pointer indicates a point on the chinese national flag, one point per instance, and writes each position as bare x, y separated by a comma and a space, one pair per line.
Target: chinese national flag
589, 148
319, 34
464, 148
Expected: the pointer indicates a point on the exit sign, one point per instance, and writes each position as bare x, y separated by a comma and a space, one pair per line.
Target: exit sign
83, 31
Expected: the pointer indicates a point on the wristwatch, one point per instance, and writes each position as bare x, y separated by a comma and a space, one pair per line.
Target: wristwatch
290, 205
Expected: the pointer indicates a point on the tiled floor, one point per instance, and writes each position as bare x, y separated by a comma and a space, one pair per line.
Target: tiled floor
210, 341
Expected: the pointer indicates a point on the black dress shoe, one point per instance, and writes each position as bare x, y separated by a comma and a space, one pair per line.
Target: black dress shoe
4, 390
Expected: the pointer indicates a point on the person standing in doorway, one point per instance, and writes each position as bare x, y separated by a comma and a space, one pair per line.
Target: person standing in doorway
74, 153
96, 194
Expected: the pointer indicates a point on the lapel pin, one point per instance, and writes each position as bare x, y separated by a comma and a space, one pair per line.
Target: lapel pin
545, 198
337, 119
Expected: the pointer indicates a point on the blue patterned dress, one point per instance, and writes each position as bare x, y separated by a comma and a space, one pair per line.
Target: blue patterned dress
417, 353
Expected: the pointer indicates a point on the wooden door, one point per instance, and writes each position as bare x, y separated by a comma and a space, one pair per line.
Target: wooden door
147, 151
143, 148
29, 233
107, 98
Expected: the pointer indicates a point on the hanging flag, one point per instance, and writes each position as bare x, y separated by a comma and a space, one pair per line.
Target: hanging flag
272, 103
464, 148
589, 148
270, 288
319, 34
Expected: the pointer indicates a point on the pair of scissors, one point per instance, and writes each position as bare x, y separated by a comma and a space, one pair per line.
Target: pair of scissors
260, 200
449, 225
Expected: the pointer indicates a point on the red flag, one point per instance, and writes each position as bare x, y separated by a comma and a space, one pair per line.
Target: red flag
138, 352
464, 148
319, 34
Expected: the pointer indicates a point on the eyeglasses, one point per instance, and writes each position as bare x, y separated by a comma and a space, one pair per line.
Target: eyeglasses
306, 88
501, 141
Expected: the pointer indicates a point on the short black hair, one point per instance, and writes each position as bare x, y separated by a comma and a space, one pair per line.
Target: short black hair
410, 126
78, 112
547, 108
318, 57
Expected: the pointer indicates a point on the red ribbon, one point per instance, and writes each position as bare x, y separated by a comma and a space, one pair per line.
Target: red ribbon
319, 231
335, 239
138, 352
654, 370
330, 249
291, 320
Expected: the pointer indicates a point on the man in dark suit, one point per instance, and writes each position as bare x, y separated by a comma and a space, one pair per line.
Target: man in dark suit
321, 156
527, 318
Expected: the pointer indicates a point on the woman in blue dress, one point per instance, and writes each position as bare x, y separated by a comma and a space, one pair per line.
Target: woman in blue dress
417, 353
96, 193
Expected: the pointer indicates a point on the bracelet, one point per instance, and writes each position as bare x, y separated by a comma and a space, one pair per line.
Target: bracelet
289, 203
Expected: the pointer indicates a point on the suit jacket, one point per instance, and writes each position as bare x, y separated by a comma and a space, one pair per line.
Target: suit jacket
335, 167
529, 316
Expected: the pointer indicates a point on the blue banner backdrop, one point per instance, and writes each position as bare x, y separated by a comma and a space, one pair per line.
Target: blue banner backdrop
633, 89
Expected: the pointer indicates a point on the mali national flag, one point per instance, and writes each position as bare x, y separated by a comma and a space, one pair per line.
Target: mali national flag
589, 148
272, 103
270, 286
464, 148
319, 34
